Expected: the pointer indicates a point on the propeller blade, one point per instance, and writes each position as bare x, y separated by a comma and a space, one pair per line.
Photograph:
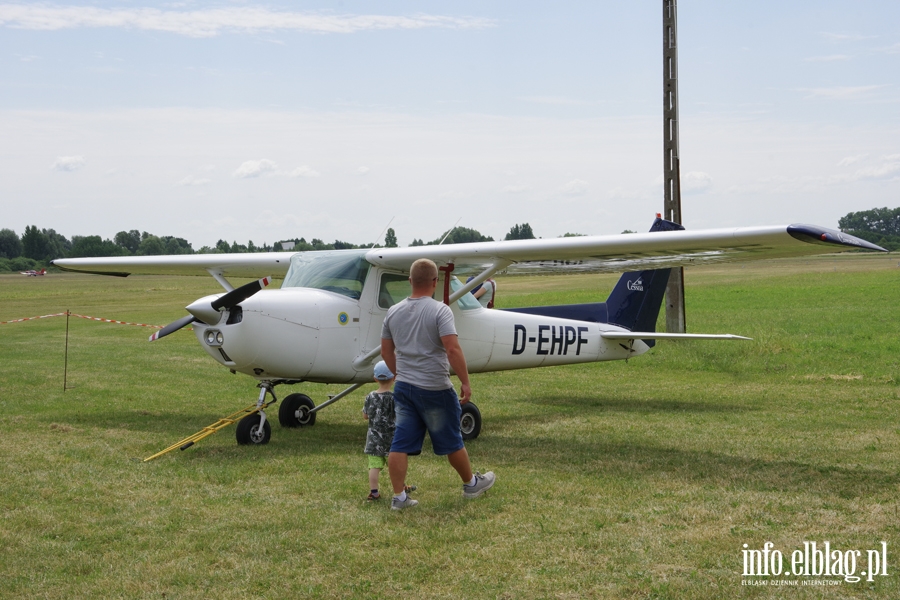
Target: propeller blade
173, 327
236, 296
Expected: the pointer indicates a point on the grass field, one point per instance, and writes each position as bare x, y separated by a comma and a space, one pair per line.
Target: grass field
623, 480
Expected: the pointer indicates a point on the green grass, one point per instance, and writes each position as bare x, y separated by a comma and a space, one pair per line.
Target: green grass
620, 480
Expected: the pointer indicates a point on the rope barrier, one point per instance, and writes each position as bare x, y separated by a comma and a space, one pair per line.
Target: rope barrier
62, 314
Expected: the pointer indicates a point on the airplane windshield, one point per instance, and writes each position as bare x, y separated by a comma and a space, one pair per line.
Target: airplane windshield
339, 271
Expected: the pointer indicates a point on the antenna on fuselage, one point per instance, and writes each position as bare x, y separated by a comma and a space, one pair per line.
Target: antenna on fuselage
449, 232
383, 231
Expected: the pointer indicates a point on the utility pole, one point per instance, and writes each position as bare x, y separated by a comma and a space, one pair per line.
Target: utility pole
675, 322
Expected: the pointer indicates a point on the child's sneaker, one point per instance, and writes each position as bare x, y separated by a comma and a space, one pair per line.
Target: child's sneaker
482, 484
409, 488
373, 496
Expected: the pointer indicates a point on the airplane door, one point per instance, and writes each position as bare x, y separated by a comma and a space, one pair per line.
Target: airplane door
391, 289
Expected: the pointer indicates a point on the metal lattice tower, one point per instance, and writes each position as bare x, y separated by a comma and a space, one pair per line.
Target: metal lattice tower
675, 322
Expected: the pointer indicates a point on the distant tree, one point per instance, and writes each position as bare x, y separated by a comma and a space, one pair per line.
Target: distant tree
885, 221
130, 240
10, 244
223, 247
629, 231
176, 245
34, 243
151, 246
93, 245
417, 242
58, 246
572, 235
390, 238
277, 247
462, 235
20, 263
238, 248
520, 232
879, 225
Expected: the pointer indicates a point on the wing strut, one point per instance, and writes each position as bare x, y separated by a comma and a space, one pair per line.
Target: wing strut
498, 264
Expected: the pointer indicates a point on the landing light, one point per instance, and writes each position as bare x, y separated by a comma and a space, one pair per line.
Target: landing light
214, 338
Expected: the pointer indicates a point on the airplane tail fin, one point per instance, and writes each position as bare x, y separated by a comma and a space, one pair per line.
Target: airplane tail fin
635, 301
633, 304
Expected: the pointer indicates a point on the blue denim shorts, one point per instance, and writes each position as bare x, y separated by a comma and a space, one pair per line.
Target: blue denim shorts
418, 411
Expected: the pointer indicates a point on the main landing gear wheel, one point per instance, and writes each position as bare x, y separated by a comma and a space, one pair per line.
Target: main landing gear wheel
470, 421
294, 411
249, 431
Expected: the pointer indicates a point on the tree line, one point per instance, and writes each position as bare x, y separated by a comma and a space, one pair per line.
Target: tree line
879, 225
37, 247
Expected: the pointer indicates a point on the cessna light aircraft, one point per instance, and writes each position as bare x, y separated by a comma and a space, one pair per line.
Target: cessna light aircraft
33, 273
324, 324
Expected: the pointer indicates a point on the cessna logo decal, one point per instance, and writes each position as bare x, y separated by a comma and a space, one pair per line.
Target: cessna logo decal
551, 339
636, 286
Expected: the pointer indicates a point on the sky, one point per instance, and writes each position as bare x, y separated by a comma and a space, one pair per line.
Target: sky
260, 122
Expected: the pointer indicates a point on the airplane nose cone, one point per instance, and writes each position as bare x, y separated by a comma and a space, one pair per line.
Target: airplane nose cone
203, 310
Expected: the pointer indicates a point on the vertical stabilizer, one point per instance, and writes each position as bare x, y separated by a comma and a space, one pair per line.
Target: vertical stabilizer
635, 301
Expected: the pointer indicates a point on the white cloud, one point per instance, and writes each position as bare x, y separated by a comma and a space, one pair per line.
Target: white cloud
255, 168
516, 189
830, 58
214, 21
887, 167
696, 181
552, 100
304, 171
191, 181
846, 37
576, 187
841, 92
362, 171
849, 160
68, 163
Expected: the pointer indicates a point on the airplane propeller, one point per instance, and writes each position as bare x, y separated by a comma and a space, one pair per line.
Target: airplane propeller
208, 312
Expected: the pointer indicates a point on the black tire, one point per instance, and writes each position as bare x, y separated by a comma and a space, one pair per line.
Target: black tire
294, 411
470, 421
248, 431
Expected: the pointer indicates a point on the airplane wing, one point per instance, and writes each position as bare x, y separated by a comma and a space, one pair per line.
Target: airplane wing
607, 253
251, 265
629, 252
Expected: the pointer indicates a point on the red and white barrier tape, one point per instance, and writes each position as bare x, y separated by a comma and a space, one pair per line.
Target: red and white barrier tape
62, 314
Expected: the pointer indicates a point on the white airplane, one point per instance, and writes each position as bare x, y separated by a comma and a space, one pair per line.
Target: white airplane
324, 324
33, 273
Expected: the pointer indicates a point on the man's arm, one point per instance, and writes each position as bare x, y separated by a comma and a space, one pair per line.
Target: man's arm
388, 355
457, 361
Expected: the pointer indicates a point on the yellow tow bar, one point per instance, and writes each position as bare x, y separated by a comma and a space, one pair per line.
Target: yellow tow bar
211, 429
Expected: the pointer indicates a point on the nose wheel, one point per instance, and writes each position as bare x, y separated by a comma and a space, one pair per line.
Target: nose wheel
253, 429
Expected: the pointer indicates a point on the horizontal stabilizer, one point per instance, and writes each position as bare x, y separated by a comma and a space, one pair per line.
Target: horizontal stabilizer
654, 335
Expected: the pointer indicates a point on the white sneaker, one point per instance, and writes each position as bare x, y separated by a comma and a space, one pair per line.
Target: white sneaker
397, 504
482, 484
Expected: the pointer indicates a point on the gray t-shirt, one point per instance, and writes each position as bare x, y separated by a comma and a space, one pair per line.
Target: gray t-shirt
416, 326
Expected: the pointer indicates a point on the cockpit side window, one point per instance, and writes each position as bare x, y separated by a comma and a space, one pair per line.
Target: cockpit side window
466, 301
393, 288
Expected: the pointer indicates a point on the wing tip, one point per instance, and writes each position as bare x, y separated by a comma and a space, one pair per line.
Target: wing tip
813, 234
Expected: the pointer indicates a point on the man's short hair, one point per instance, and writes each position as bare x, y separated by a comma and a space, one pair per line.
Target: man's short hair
423, 272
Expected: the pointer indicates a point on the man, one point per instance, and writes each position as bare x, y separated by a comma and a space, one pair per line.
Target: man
419, 344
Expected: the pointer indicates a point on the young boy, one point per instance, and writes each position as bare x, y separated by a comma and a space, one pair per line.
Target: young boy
379, 410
